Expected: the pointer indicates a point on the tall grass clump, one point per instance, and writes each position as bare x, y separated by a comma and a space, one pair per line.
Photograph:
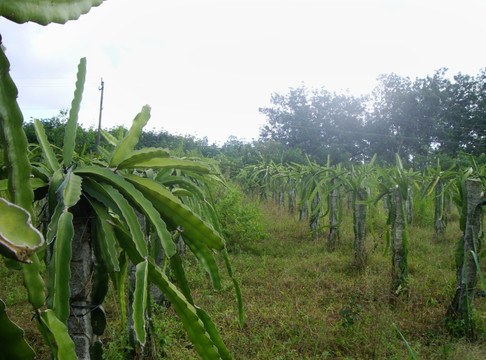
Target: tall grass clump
240, 218
423, 211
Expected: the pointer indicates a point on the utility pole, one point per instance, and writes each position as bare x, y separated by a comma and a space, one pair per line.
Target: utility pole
101, 88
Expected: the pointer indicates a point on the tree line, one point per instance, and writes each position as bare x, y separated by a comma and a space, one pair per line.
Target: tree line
417, 119
421, 120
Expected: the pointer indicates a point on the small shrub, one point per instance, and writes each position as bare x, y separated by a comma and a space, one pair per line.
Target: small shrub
350, 314
423, 211
240, 217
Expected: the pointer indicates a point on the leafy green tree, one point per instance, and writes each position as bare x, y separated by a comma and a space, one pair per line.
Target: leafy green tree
421, 118
463, 127
55, 128
479, 121
417, 119
393, 126
235, 154
181, 145
320, 123
291, 122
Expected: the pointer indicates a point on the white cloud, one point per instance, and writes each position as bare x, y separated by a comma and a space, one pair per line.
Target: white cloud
206, 67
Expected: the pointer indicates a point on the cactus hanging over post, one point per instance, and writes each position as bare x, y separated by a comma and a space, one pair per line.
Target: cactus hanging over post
439, 182
291, 195
314, 217
440, 218
359, 226
356, 183
394, 188
459, 314
333, 236
409, 202
399, 244
303, 210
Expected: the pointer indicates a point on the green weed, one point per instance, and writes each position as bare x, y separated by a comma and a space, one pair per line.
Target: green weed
241, 219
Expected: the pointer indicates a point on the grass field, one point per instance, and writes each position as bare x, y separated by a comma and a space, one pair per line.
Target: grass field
302, 302
305, 303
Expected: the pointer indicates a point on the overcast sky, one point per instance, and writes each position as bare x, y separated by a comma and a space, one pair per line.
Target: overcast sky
205, 67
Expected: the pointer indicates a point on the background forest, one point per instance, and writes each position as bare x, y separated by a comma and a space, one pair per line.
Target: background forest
420, 120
